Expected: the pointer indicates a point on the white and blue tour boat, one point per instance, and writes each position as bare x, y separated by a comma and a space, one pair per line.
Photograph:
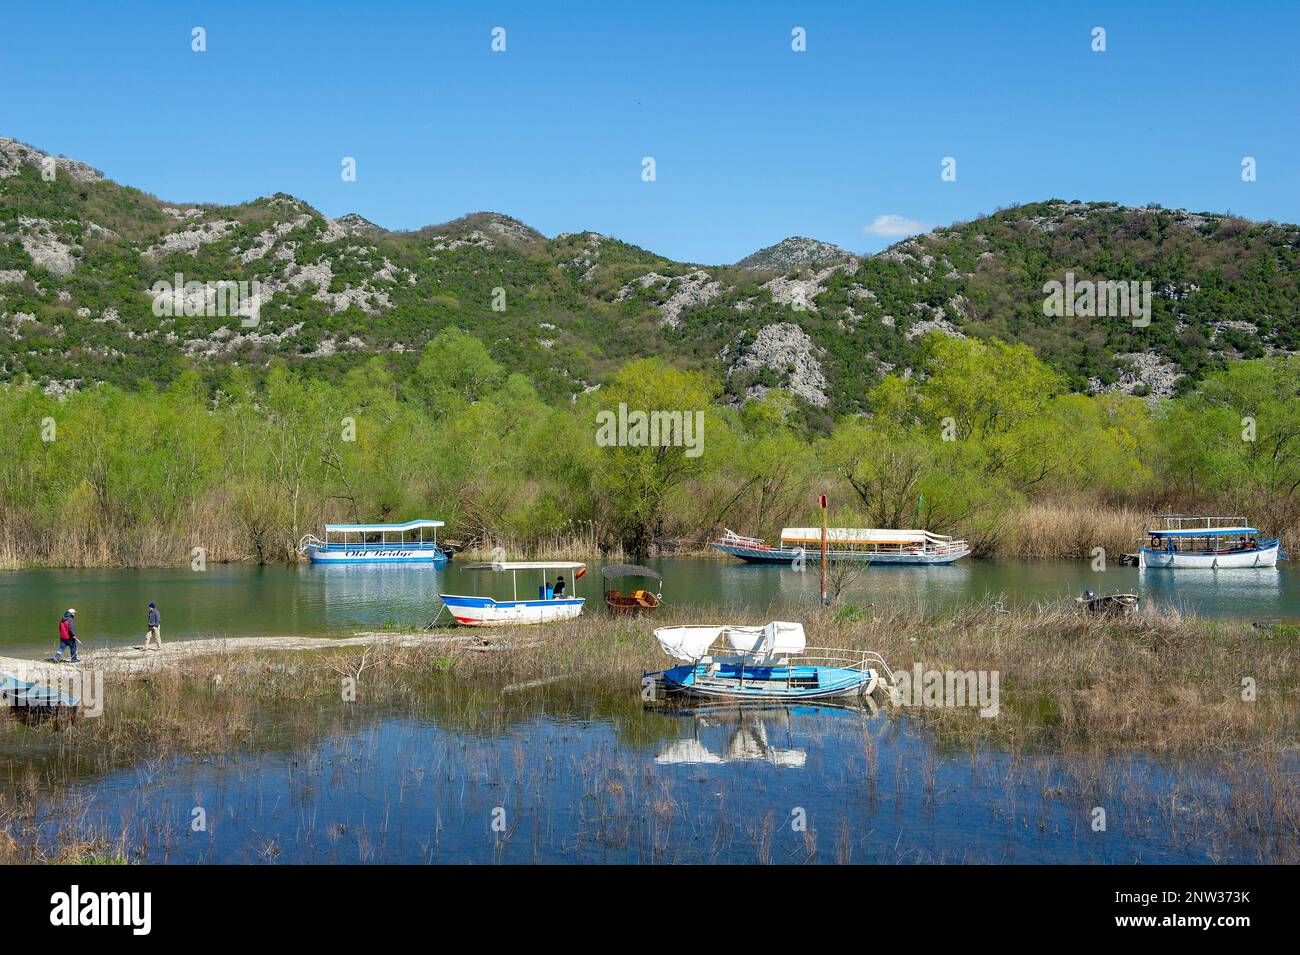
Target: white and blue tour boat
476, 611
414, 542
771, 662
867, 545
1184, 541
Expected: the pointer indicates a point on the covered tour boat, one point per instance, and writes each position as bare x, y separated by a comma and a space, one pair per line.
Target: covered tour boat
771, 662
1183, 541
409, 543
868, 545
478, 611
636, 600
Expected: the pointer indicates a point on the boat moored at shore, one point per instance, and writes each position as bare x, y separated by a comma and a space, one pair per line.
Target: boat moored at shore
847, 544
476, 611
1184, 541
414, 542
634, 601
771, 662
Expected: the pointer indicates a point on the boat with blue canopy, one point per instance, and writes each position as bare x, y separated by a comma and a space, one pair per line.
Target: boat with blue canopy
771, 662
413, 542
1183, 541
477, 611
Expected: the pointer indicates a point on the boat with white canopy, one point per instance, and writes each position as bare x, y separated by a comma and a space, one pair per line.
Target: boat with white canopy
771, 662
409, 543
1207, 543
867, 545
477, 611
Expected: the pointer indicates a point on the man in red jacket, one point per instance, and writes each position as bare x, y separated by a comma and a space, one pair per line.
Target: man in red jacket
67, 636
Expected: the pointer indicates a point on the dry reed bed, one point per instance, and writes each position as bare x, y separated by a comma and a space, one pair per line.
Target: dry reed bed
1158, 683
1084, 686
1045, 529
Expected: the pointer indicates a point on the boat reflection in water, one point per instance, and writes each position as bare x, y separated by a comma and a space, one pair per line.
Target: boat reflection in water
740, 733
1257, 591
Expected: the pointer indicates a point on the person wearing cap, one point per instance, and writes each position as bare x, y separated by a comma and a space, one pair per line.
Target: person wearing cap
67, 635
153, 623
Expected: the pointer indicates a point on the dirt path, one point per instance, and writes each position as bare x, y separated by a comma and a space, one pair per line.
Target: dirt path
133, 659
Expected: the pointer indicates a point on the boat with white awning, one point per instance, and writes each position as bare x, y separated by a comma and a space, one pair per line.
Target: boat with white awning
409, 543
867, 545
476, 611
771, 662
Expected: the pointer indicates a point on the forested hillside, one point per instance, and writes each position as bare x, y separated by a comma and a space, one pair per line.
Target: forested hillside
81, 256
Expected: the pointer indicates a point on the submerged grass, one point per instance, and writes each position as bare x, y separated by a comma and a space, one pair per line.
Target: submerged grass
1087, 686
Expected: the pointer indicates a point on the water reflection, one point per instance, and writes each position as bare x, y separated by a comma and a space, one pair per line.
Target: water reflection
588, 778
1257, 591
306, 599
731, 734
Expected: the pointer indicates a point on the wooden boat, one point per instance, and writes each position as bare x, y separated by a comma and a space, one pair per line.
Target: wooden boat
857, 544
408, 543
771, 662
640, 601
476, 611
1107, 603
1184, 541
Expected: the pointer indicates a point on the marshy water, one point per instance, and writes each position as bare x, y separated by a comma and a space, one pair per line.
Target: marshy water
470, 767
552, 774
306, 600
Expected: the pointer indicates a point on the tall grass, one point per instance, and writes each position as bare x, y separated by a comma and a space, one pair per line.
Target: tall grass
1081, 686
1054, 529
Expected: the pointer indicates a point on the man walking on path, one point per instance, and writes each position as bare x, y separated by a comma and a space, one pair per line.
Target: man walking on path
154, 622
67, 636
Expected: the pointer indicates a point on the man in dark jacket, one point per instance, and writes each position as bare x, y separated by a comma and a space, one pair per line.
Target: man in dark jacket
558, 593
67, 636
153, 623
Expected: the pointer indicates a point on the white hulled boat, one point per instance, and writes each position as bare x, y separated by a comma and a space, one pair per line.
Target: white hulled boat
1184, 541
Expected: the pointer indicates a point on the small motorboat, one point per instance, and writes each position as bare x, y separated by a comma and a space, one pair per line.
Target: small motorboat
1107, 603
476, 611
638, 601
771, 662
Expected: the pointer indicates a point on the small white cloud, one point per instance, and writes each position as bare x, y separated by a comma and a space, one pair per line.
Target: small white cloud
895, 226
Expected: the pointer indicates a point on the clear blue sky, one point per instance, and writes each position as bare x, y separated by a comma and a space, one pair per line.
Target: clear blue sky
752, 141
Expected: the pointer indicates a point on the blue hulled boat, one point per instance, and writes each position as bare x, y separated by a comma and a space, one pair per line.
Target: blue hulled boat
771, 662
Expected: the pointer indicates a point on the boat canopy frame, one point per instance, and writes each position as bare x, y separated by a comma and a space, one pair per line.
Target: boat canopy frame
383, 530
610, 571
500, 566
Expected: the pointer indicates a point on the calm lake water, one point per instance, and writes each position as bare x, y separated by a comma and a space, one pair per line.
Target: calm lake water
609, 782
241, 600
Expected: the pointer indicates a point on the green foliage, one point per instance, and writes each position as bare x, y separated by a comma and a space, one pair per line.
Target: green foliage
982, 430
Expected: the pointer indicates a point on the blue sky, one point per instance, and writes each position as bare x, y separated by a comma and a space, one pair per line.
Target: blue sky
752, 141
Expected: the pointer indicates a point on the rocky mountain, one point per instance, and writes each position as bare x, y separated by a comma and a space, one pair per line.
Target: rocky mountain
795, 252
100, 281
